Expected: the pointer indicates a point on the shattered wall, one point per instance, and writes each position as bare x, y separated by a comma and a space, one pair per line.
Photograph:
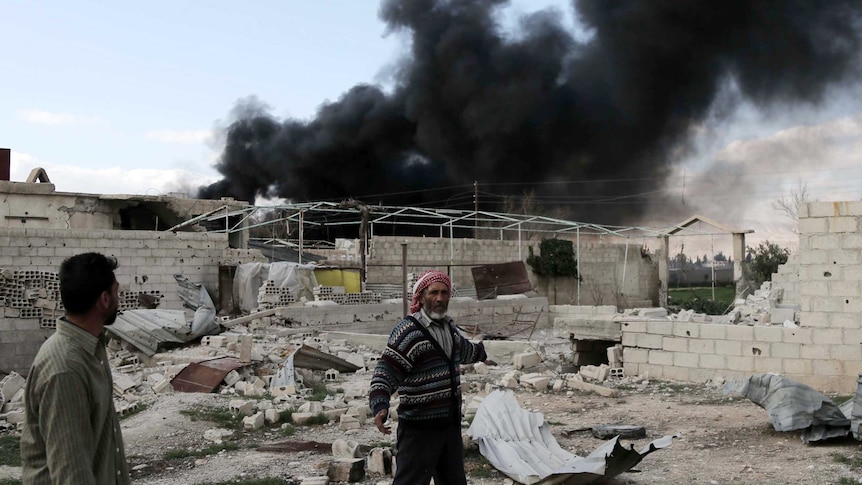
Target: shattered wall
611, 275
824, 352
148, 260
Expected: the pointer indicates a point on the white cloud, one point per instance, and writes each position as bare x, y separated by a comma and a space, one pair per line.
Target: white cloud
55, 119
180, 136
113, 180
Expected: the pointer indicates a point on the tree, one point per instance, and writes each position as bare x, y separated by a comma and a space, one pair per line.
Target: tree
557, 258
763, 261
790, 205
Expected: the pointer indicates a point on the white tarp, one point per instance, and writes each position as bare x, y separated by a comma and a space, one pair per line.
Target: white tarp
519, 443
250, 276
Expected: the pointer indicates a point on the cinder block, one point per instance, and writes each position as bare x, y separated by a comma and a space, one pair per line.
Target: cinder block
684, 329
728, 347
811, 351
253, 422
829, 367
346, 470
701, 346
828, 336
768, 334
526, 359
740, 332
636, 356
785, 350
379, 462
659, 357
685, 359
660, 327
672, 344
842, 224
742, 364
798, 366
674, 373
768, 364
712, 361
713, 331
649, 341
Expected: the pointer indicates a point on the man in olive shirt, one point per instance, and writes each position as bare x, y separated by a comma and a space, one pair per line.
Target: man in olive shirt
71, 431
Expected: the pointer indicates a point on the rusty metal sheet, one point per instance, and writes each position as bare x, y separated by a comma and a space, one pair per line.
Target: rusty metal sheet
306, 357
204, 376
492, 280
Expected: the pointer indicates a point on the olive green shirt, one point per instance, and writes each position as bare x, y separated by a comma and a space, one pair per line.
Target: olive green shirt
71, 431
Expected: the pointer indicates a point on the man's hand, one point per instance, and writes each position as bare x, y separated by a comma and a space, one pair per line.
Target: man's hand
489, 362
380, 421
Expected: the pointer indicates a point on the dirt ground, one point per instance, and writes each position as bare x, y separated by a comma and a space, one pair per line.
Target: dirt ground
720, 440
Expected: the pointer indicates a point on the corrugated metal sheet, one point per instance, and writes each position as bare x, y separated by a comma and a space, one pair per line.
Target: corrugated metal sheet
519, 444
152, 330
306, 357
493, 280
204, 376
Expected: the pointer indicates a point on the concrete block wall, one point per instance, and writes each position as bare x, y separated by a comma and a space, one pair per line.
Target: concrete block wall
384, 263
787, 278
825, 352
830, 264
380, 318
148, 260
826, 359
603, 267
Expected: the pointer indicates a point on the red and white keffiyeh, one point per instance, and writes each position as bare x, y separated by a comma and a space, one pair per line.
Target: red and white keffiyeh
425, 280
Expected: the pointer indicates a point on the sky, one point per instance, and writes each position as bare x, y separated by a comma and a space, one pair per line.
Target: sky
133, 97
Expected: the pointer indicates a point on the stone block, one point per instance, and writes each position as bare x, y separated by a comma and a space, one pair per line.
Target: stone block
526, 359
312, 407
163, 386
217, 435
253, 422
283, 391
302, 418
347, 422
480, 368
241, 407
379, 462
538, 382
271, 416
346, 470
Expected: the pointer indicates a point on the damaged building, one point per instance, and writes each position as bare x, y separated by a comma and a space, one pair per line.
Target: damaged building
618, 299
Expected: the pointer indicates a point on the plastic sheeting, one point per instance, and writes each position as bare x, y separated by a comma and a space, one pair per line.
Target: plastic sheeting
794, 406
519, 444
197, 298
250, 276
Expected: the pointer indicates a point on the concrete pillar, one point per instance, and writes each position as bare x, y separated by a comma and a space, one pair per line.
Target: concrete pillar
663, 271
738, 262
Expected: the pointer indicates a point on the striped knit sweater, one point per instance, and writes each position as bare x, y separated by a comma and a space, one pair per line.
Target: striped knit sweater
428, 382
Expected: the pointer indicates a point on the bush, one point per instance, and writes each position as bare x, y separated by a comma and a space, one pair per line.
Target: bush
762, 262
557, 258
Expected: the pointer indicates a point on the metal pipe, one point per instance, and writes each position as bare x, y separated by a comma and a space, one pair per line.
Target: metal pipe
404, 278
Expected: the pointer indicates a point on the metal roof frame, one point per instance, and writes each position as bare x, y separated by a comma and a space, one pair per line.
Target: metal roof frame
322, 213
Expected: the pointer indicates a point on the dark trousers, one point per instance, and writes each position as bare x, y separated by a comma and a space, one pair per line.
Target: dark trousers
425, 453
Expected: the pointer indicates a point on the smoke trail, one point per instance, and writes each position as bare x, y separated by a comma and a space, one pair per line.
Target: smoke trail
475, 103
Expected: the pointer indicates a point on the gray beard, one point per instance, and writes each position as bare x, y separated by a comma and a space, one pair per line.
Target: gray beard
436, 316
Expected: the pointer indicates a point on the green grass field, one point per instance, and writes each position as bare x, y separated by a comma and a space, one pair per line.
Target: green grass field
701, 299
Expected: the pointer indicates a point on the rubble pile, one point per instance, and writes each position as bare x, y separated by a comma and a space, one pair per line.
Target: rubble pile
763, 307
270, 382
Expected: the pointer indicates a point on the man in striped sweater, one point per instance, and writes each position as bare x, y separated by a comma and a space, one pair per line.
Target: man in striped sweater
421, 363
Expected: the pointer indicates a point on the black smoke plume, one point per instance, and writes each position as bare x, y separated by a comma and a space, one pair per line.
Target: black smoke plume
522, 111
